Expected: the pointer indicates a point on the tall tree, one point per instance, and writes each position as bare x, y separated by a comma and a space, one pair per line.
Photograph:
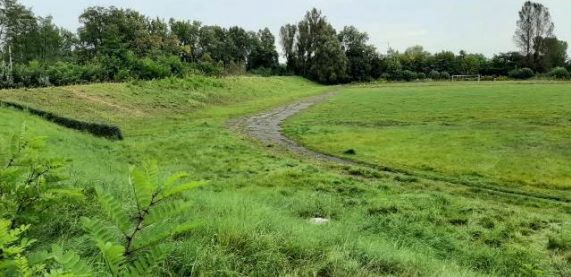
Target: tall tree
553, 53
415, 59
360, 55
316, 51
263, 54
533, 26
288, 35
188, 35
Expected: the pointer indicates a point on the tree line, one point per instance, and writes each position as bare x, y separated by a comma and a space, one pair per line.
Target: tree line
314, 49
114, 44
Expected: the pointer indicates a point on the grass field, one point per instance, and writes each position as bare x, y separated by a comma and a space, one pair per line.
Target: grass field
253, 218
514, 134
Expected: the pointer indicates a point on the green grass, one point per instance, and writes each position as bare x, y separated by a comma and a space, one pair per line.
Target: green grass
509, 133
254, 216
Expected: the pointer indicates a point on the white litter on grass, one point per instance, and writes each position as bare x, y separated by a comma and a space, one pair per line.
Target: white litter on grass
319, 221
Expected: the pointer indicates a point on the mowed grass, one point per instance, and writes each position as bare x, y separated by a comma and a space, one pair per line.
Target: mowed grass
509, 133
253, 217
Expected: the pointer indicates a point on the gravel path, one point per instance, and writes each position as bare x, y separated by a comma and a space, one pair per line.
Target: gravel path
266, 127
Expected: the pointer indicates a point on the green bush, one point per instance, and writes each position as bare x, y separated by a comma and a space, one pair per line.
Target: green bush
445, 75
434, 75
62, 73
29, 75
209, 69
421, 76
408, 75
93, 72
262, 71
521, 74
559, 73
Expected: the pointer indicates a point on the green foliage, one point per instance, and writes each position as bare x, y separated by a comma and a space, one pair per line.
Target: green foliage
434, 75
132, 244
560, 73
521, 74
408, 75
13, 261
444, 75
313, 49
30, 182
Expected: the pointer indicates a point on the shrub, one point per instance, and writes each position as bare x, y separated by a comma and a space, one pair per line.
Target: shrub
262, 71
408, 75
148, 69
93, 72
434, 75
445, 75
521, 74
559, 73
62, 73
421, 76
28, 75
209, 69
385, 76
177, 67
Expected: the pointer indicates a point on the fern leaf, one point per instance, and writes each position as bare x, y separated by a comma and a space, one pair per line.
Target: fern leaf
144, 264
157, 233
142, 187
113, 209
166, 211
173, 179
152, 171
70, 262
98, 230
113, 254
175, 190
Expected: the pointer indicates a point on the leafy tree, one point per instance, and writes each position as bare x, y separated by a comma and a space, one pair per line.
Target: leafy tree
392, 62
360, 56
533, 26
415, 59
264, 53
315, 52
553, 53
288, 34
503, 63
188, 35
444, 61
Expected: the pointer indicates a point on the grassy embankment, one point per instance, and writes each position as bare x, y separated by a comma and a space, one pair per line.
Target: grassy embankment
254, 214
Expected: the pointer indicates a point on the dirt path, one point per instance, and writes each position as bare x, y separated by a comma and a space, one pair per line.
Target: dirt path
266, 127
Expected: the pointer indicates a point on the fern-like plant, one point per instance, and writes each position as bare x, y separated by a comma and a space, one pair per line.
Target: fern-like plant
13, 261
132, 244
30, 182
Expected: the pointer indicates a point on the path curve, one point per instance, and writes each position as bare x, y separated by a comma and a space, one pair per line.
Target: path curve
266, 127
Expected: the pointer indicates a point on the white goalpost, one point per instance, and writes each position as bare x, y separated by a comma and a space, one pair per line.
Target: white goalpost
475, 77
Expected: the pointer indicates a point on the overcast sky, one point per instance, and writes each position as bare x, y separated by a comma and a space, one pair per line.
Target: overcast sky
484, 26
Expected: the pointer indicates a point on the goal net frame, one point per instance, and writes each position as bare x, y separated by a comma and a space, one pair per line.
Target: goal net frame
461, 77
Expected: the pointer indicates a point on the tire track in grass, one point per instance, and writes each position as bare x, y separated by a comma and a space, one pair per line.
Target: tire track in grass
266, 128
